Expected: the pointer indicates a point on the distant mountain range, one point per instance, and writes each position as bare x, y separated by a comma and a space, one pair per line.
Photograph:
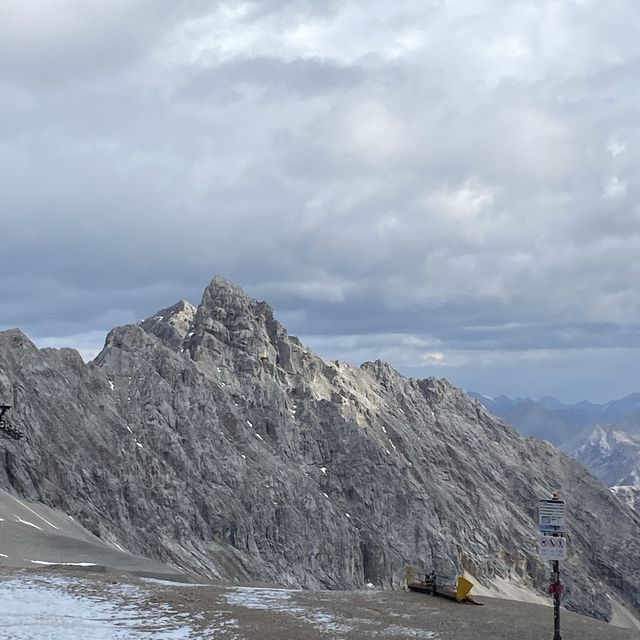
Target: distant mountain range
605, 437
624, 412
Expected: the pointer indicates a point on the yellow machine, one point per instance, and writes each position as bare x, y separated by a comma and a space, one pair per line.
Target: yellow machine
434, 585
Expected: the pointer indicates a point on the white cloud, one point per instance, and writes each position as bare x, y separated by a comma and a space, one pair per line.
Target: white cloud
435, 358
616, 147
615, 188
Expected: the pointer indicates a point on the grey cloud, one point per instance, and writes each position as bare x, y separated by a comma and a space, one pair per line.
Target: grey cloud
50, 45
292, 9
451, 173
573, 375
278, 79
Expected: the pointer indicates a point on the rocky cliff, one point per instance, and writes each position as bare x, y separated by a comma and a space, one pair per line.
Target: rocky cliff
212, 439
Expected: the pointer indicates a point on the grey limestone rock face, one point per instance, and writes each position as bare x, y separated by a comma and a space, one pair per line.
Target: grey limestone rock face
216, 441
629, 493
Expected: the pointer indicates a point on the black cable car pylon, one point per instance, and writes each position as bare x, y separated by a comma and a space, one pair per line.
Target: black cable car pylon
6, 430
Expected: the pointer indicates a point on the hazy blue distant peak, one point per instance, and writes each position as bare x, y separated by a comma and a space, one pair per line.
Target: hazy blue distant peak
496, 405
610, 411
550, 402
501, 400
616, 410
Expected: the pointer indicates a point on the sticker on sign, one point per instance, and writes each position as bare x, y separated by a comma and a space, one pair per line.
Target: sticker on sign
552, 516
552, 548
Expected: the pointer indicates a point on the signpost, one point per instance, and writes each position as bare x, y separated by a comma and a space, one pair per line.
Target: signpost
552, 515
552, 546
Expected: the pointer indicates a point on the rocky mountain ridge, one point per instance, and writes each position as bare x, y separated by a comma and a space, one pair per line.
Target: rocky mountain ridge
213, 440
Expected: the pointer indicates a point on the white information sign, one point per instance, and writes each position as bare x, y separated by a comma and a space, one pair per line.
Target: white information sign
552, 516
552, 548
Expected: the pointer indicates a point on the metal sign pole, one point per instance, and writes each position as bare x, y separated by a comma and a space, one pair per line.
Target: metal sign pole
556, 600
552, 545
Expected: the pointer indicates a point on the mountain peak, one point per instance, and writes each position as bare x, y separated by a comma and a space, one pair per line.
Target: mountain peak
221, 286
380, 369
15, 336
233, 327
223, 298
171, 324
551, 403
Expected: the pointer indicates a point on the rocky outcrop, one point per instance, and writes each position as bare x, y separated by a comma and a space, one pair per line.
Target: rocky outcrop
172, 324
230, 449
629, 494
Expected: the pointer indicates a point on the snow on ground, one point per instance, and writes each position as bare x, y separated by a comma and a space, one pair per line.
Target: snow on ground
35, 513
281, 600
172, 583
39, 608
335, 626
395, 631
30, 524
316, 616
65, 564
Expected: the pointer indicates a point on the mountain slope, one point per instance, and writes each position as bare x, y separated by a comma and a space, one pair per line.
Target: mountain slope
35, 536
610, 451
236, 452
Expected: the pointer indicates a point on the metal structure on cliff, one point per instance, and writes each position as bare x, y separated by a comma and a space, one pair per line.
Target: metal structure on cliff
6, 430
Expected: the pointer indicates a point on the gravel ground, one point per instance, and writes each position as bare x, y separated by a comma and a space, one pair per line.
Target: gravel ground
250, 613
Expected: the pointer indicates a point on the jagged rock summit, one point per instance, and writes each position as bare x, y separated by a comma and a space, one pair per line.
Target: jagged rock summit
172, 324
215, 441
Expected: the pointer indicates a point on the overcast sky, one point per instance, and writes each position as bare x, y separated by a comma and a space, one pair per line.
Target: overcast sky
450, 185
